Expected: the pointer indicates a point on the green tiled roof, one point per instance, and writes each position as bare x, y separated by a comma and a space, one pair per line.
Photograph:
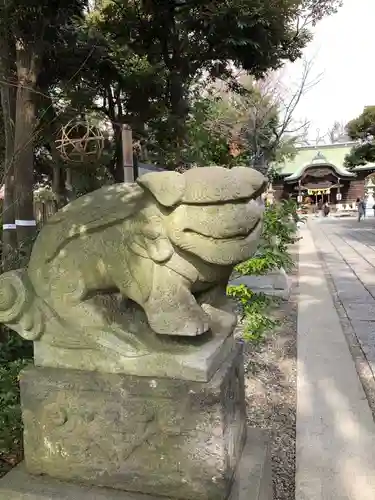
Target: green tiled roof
333, 153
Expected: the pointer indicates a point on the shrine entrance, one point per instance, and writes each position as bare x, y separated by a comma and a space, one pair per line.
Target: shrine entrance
316, 169
320, 182
323, 195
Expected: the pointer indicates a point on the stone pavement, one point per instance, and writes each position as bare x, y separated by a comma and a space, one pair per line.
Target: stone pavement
335, 452
348, 249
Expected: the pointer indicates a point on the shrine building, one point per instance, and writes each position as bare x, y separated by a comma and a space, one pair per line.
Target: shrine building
317, 174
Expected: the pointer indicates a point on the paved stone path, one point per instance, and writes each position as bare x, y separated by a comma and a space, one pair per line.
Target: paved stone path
348, 249
335, 452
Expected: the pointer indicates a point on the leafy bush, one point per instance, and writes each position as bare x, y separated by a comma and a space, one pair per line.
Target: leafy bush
254, 308
15, 353
279, 232
10, 410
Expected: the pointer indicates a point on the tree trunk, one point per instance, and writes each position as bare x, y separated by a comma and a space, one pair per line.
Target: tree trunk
116, 168
176, 81
69, 191
24, 149
57, 182
7, 91
260, 163
51, 132
8, 99
8, 109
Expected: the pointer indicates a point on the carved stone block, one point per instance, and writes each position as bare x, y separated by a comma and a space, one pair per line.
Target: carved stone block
253, 480
158, 436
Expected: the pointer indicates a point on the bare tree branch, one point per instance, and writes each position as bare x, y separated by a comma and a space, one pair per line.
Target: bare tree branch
273, 107
337, 133
334, 135
260, 118
311, 11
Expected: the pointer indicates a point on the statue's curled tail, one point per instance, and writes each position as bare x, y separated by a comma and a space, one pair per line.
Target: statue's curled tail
19, 305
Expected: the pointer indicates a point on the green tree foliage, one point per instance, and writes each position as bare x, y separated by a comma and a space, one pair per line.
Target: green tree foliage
362, 130
136, 60
363, 126
145, 56
207, 142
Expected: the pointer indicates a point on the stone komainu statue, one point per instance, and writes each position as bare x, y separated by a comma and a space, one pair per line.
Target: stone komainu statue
167, 243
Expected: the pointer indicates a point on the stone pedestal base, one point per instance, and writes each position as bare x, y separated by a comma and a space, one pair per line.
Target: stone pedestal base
156, 436
115, 436
252, 481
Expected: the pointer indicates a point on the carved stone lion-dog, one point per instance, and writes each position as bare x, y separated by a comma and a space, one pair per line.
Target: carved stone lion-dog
168, 243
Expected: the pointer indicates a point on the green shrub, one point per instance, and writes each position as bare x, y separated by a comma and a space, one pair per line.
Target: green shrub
253, 308
279, 232
10, 410
15, 353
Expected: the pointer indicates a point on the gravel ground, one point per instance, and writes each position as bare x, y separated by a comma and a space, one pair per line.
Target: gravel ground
271, 386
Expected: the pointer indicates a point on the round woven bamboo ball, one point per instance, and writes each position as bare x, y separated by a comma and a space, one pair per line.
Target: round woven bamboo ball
80, 142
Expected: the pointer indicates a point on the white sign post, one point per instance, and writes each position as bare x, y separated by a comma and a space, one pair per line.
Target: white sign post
127, 153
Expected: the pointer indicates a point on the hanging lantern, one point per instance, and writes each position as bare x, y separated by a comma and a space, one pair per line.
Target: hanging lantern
338, 194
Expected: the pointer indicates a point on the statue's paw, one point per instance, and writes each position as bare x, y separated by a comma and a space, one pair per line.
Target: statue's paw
221, 320
194, 328
180, 324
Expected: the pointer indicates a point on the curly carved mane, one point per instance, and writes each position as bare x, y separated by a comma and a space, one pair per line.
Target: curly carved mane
104, 207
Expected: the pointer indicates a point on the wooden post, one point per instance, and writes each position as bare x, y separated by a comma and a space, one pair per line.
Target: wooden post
127, 153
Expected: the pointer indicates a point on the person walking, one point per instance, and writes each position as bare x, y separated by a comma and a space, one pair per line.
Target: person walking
320, 207
360, 209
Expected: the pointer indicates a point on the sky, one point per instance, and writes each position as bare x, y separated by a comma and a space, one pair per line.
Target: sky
343, 55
